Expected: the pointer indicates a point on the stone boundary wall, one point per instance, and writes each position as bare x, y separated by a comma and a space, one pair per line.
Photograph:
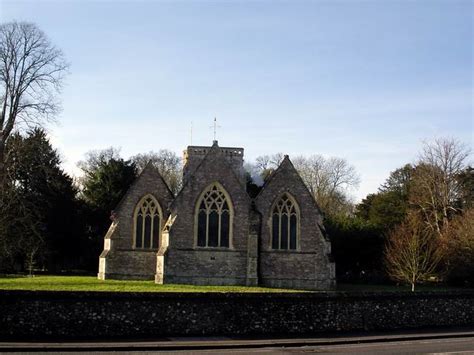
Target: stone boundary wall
74, 315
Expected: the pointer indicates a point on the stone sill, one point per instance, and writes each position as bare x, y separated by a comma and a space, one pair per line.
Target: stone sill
288, 251
225, 250
138, 250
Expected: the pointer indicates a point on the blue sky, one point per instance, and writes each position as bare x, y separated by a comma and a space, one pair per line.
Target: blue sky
362, 80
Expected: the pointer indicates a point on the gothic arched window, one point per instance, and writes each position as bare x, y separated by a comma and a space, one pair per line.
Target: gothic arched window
214, 218
147, 223
285, 223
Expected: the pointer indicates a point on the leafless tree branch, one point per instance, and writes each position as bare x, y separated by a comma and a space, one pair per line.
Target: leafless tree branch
32, 71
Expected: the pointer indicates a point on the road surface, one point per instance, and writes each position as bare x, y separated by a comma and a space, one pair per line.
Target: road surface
436, 342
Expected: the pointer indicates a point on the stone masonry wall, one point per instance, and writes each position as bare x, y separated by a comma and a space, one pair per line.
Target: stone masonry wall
74, 315
206, 267
194, 155
140, 265
309, 266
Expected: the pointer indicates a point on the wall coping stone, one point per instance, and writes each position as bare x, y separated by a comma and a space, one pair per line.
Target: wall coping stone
315, 295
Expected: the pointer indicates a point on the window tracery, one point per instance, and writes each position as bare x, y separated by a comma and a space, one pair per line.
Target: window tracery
147, 223
214, 218
285, 224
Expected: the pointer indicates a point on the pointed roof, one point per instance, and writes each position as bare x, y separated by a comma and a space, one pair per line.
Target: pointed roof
286, 164
149, 169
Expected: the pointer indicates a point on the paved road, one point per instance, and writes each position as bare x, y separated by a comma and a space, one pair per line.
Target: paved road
451, 342
438, 346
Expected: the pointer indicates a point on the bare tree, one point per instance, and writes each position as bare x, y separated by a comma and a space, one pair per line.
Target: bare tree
31, 74
94, 158
276, 159
263, 162
313, 171
329, 180
436, 186
168, 164
412, 254
267, 164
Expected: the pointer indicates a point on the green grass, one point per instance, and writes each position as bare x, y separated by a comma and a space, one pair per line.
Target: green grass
90, 283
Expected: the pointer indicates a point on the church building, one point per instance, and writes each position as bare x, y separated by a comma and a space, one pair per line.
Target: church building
214, 233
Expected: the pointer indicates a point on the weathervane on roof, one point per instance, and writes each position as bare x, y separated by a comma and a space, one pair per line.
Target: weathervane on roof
191, 132
215, 126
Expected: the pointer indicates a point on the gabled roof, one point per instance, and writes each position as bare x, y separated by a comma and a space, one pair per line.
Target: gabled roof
286, 164
154, 170
149, 169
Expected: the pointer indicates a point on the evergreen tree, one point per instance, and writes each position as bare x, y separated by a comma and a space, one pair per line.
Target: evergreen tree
389, 206
466, 181
461, 249
357, 247
107, 178
38, 226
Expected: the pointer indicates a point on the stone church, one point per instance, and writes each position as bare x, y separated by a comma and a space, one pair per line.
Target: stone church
214, 233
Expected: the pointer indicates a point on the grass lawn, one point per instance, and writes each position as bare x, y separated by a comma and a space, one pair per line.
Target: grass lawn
90, 283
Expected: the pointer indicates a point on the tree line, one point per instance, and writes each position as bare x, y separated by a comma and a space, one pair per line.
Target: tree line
420, 220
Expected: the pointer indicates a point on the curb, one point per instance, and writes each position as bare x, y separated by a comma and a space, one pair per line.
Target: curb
218, 343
